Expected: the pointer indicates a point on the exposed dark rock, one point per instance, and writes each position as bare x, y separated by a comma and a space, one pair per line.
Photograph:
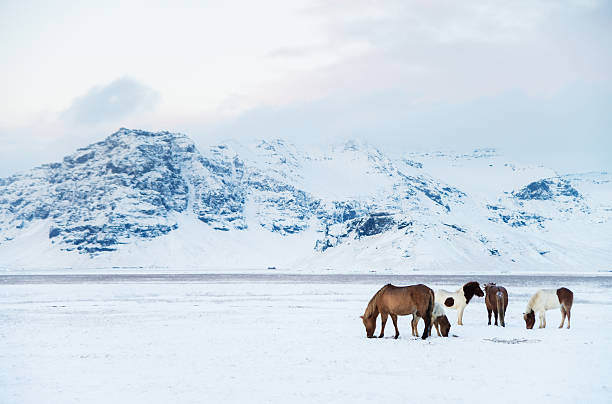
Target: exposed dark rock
547, 189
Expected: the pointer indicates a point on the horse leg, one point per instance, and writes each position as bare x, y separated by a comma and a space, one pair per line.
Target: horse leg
415, 323
383, 318
542, 316
563, 314
495, 312
502, 312
460, 315
569, 311
437, 329
489, 312
394, 319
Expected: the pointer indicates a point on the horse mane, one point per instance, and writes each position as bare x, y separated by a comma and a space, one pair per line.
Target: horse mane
531, 303
371, 308
469, 290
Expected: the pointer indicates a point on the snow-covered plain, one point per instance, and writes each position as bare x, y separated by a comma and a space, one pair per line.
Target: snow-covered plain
233, 338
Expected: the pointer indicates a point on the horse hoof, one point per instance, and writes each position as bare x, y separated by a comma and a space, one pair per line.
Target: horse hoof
396, 336
380, 336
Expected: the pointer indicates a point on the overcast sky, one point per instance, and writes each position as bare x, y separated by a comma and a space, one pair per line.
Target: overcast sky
532, 78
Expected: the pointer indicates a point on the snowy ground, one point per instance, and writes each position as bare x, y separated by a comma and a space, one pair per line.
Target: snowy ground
237, 339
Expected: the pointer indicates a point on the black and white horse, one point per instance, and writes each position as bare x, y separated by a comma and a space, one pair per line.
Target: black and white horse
459, 300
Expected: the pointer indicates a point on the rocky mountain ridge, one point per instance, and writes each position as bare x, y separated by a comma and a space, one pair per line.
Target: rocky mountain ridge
345, 206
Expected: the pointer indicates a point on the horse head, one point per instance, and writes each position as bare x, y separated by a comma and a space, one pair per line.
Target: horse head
444, 325
370, 325
470, 289
489, 285
529, 319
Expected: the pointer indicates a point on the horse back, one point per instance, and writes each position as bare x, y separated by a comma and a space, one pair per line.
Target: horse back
491, 297
441, 295
406, 300
544, 299
451, 300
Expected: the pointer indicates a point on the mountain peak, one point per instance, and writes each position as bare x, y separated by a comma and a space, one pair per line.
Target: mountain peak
128, 135
136, 188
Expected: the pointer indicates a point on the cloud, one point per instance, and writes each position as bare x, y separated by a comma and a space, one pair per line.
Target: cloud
102, 110
568, 131
292, 52
454, 51
116, 100
406, 74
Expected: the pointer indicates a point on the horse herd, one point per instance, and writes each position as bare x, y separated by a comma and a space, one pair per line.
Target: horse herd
422, 302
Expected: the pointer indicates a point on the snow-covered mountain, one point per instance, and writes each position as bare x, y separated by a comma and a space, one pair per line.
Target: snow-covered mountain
142, 199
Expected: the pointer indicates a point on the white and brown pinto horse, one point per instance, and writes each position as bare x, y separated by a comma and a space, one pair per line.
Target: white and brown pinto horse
548, 299
438, 319
394, 301
459, 300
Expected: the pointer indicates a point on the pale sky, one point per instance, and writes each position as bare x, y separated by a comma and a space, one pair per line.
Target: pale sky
533, 78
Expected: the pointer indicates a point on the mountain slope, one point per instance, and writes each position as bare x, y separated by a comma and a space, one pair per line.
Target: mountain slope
154, 199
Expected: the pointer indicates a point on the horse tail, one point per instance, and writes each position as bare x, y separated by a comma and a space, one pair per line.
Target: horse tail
500, 307
428, 312
372, 304
566, 298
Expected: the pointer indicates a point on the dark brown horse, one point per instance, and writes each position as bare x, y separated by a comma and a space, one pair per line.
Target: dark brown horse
417, 300
496, 300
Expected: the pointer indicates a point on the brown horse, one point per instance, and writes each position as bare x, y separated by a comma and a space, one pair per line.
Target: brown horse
417, 300
496, 300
